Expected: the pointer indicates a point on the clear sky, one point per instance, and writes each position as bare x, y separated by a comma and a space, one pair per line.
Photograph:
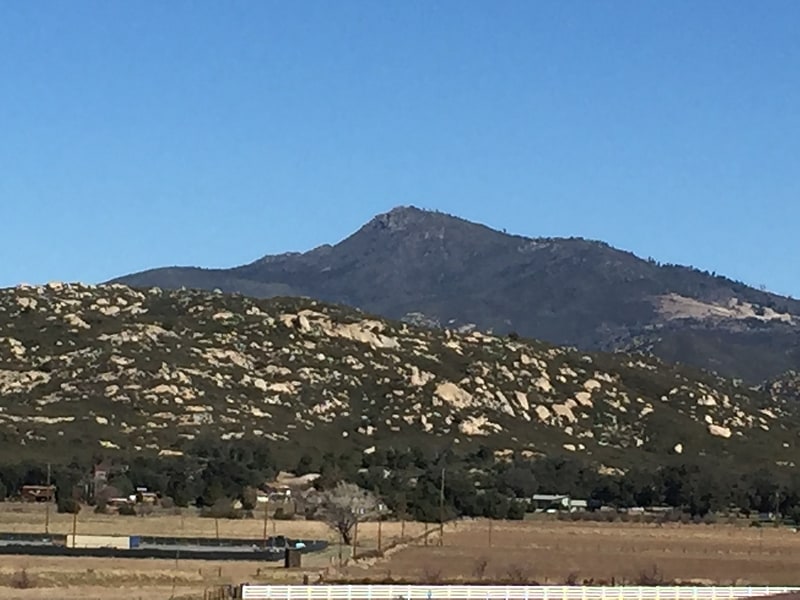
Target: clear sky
144, 134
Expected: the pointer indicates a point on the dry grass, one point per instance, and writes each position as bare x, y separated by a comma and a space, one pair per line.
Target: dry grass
521, 552
30, 518
557, 552
90, 578
140, 578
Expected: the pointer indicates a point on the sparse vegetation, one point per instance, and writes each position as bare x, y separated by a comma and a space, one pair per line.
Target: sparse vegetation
343, 506
21, 580
596, 553
240, 388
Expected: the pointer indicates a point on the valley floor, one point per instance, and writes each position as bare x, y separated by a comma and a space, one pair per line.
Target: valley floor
553, 552
536, 551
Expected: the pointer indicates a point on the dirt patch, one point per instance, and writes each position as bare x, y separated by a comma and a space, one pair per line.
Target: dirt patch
548, 552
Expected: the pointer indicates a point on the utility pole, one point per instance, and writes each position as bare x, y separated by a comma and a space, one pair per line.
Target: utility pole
49, 501
74, 527
777, 504
266, 513
379, 533
355, 538
441, 510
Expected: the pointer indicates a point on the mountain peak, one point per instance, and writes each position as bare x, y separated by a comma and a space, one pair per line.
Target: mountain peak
400, 218
568, 291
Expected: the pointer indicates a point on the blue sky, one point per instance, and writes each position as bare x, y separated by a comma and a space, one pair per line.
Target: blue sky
143, 134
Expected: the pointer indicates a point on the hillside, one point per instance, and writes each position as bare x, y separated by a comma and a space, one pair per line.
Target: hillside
434, 269
86, 370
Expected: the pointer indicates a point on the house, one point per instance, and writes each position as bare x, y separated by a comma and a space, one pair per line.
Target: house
38, 493
100, 474
114, 503
550, 502
578, 505
144, 496
557, 502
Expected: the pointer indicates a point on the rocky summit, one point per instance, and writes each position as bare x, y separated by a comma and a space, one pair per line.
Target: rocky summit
433, 269
87, 370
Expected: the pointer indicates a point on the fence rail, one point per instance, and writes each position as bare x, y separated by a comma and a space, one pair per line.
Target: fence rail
502, 592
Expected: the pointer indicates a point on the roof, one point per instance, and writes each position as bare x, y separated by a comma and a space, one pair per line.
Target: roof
550, 497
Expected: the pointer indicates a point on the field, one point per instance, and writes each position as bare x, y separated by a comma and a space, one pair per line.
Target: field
29, 577
537, 551
554, 552
30, 518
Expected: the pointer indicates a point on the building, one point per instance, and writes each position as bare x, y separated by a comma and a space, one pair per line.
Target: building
38, 493
557, 502
549, 502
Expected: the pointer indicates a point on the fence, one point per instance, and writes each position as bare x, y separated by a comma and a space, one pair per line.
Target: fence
502, 592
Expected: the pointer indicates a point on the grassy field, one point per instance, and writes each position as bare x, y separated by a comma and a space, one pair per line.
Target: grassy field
553, 552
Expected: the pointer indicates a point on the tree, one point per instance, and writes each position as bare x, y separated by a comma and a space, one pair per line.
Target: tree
66, 501
345, 505
249, 498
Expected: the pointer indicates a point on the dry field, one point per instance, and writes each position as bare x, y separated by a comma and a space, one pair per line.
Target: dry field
40, 578
30, 518
556, 552
35, 578
540, 551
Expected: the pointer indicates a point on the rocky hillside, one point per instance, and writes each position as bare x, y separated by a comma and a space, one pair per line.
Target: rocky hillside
94, 369
786, 386
433, 269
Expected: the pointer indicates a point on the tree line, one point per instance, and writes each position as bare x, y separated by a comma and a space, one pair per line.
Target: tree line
410, 480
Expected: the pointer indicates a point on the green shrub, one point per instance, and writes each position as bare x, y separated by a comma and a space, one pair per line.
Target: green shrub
68, 506
282, 515
222, 509
127, 510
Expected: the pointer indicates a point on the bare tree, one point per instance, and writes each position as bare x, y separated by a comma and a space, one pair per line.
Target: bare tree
344, 506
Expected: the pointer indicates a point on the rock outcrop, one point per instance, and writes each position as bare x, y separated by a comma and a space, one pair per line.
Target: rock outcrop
84, 369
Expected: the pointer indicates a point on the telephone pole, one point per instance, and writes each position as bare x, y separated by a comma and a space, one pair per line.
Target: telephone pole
441, 510
47, 504
266, 516
777, 504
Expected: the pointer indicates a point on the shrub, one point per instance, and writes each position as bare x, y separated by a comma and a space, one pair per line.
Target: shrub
68, 505
127, 510
479, 570
517, 574
21, 580
282, 515
651, 576
222, 509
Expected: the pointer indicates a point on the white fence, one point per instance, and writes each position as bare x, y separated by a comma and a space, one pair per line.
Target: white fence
502, 592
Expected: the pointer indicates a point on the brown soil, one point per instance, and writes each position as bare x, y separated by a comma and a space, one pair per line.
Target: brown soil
559, 552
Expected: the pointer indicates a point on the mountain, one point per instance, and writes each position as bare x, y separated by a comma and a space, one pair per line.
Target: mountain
86, 370
431, 268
